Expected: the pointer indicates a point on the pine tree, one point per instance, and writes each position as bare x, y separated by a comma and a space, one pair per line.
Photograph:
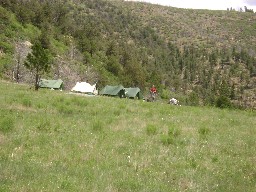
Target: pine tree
38, 62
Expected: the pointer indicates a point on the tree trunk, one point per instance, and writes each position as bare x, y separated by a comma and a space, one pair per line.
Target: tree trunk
18, 69
37, 82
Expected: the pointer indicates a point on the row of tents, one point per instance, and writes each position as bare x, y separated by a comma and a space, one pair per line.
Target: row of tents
120, 91
87, 88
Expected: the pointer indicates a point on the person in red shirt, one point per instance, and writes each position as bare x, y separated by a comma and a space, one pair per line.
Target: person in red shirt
153, 89
153, 92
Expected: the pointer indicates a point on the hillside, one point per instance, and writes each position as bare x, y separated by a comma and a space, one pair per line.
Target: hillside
201, 55
55, 141
188, 26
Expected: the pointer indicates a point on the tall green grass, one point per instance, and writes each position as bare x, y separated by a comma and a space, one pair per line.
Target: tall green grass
55, 141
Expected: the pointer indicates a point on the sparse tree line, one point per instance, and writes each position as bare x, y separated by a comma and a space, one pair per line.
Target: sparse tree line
241, 9
123, 50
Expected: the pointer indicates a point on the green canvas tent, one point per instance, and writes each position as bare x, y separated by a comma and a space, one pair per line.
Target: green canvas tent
51, 84
113, 91
133, 93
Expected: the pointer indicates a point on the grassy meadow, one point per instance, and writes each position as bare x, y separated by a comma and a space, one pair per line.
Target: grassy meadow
55, 141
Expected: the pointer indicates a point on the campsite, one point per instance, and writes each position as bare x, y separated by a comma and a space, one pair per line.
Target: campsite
53, 141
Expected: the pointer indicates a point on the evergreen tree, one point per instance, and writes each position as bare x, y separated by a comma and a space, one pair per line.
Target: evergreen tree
38, 62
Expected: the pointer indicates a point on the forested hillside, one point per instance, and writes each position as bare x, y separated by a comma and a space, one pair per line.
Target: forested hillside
198, 56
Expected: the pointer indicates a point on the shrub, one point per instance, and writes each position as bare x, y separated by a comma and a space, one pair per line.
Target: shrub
223, 102
193, 99
6, 47
165, 94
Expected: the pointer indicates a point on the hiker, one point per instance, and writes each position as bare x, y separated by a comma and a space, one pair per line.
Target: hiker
153, 92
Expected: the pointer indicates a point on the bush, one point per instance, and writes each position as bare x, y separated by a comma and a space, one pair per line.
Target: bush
165, 94
193, 99
223, 102
5, 62
6, 47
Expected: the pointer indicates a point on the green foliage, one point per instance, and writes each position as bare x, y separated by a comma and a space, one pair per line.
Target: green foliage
165, 94
113, 65
5, 64
5, 18
6, 47
38, 62
193, 99
223, 102
31, 31
225, 89
59, 47
9, 26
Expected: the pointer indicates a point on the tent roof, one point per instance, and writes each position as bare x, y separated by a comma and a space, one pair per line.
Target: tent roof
84, 87
55, 84
111, 90
132, 92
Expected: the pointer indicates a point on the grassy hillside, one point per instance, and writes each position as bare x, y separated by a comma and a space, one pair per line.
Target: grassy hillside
55, 141
199, 27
